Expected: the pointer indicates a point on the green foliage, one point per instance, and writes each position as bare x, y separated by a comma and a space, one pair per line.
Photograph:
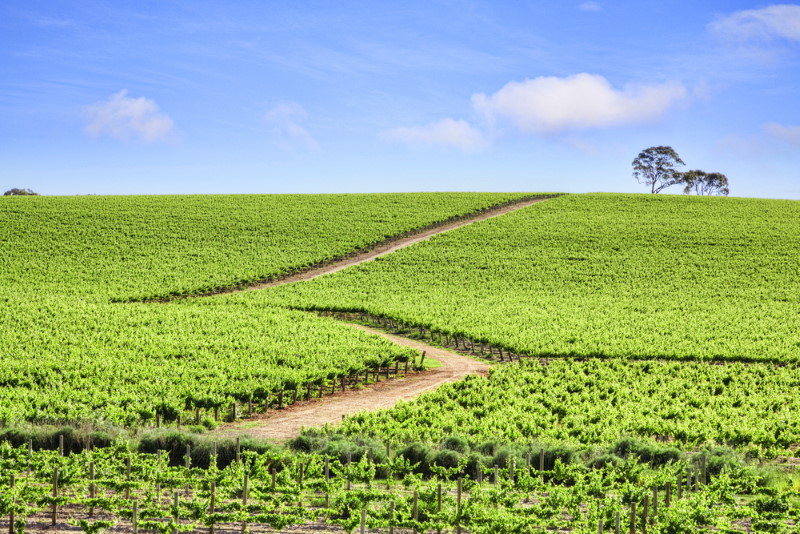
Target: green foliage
594, 402
68, 353
93, 527
143, 247
16, 191
656, 167
704, 183
570, 497
126, 363
600, 275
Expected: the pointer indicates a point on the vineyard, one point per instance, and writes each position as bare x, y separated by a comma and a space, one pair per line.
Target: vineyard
137, 364
142, 247
68, 354
122, 491
644, 353
593, 403
595, 276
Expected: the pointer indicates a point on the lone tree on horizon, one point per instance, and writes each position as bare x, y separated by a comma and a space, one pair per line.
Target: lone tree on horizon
656, 167
705, 183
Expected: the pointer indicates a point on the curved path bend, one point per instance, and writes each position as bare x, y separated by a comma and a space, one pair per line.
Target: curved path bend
288, 422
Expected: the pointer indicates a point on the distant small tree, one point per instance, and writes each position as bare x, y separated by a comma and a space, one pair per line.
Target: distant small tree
656, 167
705, 183
16, 191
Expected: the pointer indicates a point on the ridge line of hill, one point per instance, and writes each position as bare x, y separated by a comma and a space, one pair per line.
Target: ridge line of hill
371, 252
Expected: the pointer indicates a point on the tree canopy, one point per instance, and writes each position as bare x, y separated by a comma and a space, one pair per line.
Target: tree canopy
20, 192
705, 183
656, 167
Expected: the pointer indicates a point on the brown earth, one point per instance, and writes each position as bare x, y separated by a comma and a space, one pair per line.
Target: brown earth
288, 422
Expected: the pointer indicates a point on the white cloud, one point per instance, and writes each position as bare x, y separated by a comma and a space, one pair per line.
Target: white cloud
286, 121
549, 104
788, 134
446, 132
124, 117
776, 21
590, 6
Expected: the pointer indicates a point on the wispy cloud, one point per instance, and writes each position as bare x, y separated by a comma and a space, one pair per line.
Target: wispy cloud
772, 22
444, 133
787, 134
582, 101
123, 117
48, 22
590, 6
290, 134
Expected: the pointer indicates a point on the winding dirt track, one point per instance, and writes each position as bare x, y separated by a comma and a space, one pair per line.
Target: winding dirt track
393, 245
288, 422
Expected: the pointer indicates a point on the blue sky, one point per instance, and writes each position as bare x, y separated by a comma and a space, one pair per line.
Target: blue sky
277, 97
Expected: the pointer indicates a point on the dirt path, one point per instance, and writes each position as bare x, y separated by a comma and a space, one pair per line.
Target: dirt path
287, 423
393, 245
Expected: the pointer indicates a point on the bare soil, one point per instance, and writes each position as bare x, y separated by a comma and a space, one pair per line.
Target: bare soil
287, 423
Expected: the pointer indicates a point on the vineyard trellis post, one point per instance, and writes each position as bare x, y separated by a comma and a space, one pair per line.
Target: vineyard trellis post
245, 491
704, 470
632, 522
55, 496
458, 505
92, 487
655, 503
644, 514
11, 508
212, 506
